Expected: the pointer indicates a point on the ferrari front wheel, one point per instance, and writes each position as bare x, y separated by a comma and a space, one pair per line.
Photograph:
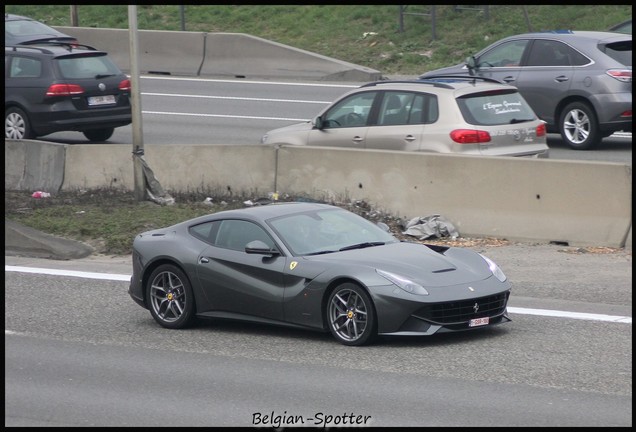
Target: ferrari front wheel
351, 315
170, 297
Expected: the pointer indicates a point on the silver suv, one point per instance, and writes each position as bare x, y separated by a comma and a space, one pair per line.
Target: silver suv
578, 82
465, 115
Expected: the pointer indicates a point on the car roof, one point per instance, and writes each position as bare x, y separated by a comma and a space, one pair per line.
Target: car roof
14, 17
263, 212
37, 31
565, 35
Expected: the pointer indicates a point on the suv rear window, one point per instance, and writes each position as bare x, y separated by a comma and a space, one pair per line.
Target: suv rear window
620, 51
495, 108
86, 67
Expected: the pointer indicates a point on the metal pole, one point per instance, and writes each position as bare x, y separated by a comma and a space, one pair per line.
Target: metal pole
135, 94
74, 16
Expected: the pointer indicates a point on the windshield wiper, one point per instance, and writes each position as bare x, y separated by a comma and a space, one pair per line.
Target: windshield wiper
321, 252
362, 245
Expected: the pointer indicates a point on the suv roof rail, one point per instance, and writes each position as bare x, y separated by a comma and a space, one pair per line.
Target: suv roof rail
37, 46
455, 78
415, 81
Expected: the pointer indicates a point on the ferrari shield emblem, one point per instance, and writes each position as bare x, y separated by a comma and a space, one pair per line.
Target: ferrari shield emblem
293, 264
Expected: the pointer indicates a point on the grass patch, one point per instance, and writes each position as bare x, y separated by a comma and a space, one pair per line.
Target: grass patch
337, 31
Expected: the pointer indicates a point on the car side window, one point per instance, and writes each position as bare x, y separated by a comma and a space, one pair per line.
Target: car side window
401, 108
236, 234
352, 111
507, 54
206, 231
554, 53
25, 67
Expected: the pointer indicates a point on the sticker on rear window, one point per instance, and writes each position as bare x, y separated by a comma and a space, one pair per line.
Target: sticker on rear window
502, 108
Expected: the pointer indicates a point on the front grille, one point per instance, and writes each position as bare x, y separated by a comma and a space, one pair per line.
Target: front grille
462, 311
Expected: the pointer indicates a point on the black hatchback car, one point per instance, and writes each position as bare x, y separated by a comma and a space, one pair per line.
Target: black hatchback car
57, 87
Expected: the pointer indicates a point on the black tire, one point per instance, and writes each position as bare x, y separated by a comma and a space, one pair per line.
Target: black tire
17, 125
99, 134
170, 298
579, 127
351, 315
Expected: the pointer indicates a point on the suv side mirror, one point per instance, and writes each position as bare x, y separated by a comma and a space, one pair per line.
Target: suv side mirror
471, 63
318, 123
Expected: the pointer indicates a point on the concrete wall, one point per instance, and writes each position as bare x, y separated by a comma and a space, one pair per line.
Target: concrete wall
218, 54
514, 198
580, 203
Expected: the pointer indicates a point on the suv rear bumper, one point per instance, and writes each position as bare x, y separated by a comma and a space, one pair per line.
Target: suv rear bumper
609, 109
49, 122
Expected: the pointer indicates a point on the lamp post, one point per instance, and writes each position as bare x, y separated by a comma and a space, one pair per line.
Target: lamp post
135, 94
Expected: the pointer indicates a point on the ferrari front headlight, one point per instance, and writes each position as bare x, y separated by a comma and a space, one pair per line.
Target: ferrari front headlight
494, 268
406, 284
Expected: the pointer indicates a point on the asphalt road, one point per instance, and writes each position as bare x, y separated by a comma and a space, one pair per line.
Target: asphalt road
80, 352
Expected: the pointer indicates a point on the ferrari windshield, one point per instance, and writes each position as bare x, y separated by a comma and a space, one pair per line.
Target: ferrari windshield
326, 231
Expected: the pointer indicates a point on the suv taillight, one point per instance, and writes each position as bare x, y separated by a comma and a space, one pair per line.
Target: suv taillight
624, 75
470, 136
64, 90
541, 130
125, 85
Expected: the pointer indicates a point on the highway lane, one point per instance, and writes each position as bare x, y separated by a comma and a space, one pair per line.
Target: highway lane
208, 111
80, 353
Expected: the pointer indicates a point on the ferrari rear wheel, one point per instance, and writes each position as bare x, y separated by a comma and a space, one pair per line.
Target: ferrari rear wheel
351, 315
170, 297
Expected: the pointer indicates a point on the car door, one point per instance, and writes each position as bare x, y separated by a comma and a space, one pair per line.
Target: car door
399, 124
345, 124
237, 282
547, 76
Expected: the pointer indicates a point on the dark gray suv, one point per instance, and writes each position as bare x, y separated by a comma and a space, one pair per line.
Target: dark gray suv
57, 87
578, 82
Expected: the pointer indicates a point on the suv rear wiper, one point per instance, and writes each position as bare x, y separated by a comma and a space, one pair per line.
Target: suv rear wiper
514, 120
362, 245
100, 76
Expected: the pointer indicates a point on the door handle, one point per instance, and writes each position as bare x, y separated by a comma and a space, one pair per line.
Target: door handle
357, 139
409, 138
508, 79
561, 78
203, 260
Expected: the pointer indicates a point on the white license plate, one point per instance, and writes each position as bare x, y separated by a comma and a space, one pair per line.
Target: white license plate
101, 100
478, 322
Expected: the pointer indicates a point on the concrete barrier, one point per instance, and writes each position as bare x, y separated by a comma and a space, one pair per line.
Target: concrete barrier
162, 52
218, 54
577, 203
34, 165
185, 168
242, 55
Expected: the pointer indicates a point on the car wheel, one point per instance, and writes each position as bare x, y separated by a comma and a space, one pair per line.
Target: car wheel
579, 126
170, 297
351, 315
99, 134
16, 125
